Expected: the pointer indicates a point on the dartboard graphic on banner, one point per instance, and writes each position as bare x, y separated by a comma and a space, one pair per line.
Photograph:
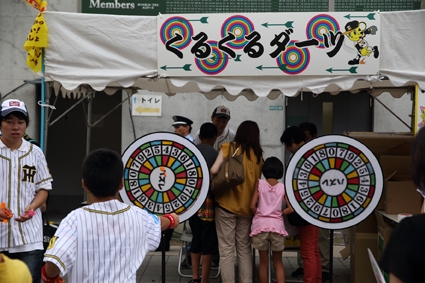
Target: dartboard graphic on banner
334, 182
164, 173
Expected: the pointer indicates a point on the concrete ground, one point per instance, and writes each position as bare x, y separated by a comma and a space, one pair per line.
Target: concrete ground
151, 269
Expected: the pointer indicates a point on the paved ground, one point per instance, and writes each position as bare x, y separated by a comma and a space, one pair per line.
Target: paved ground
151, 269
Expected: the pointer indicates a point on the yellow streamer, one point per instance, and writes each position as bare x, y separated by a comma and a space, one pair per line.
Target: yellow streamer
37, 38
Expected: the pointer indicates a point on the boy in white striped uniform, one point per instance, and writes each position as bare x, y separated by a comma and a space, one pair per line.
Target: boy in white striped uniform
24, 181
107, 240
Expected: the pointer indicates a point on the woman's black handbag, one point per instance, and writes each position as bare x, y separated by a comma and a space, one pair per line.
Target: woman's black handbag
296, 220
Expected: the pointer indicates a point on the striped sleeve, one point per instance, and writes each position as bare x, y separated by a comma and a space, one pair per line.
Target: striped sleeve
63, 246
43, 178
152, 225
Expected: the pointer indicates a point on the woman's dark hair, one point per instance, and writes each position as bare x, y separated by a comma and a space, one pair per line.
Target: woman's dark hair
418, 159
17, 114
248, 137
273, 168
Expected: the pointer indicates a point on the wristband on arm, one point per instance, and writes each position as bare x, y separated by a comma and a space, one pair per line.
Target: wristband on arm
47, 279
172, 220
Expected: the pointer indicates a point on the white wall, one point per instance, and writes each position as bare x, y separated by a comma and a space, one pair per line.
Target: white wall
199, 109
385, 121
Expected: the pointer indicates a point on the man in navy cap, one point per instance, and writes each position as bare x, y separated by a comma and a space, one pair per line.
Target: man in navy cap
183, 127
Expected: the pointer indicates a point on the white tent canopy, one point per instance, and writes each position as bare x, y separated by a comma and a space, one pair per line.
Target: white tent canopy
111, 51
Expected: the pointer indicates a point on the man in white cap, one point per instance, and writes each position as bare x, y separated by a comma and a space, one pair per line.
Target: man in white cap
220, 117
24, 184
183, 126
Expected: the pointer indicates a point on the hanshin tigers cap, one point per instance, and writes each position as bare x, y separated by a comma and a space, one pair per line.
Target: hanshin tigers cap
13, 105
221, 111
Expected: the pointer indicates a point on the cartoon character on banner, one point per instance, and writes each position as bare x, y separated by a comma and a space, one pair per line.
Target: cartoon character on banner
356, 32
422, 123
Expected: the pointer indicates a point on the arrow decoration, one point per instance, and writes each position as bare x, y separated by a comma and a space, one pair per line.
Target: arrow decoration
237, 59
352, 70
287, 24
185, 67
282, 67
371, 16
203, 20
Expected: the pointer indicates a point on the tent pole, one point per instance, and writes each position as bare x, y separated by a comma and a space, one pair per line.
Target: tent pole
46, 120
66, 112
89, 113
42, 118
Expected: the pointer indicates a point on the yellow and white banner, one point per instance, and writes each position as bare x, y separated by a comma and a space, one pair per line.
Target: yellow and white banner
37, 38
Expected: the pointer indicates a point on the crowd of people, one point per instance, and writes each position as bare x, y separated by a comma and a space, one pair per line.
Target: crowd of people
249, 215
114, 237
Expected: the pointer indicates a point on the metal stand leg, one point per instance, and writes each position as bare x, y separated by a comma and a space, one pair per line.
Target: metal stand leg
253, 265
331, 255
270, 264
163, 259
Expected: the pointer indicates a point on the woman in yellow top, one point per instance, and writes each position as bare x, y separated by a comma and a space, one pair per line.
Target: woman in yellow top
232, 213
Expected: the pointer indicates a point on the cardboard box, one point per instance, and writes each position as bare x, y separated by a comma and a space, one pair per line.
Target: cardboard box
384, 232
381, 203
369, 225
385, 143
398, 164
345, 252
400, 195
360, 266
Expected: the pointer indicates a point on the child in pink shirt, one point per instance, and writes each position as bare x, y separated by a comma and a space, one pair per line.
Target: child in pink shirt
267, 224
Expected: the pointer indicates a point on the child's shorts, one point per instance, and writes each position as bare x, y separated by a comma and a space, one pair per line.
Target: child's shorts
204, 238
261, 241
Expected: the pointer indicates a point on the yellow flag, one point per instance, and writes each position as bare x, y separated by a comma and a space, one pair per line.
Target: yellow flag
37, 38
38, 4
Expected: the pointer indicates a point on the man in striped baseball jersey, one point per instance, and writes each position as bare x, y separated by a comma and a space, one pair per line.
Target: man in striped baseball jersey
107, 240
24, 183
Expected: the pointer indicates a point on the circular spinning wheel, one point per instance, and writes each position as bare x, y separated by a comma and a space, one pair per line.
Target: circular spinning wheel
334, 182
164, 173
